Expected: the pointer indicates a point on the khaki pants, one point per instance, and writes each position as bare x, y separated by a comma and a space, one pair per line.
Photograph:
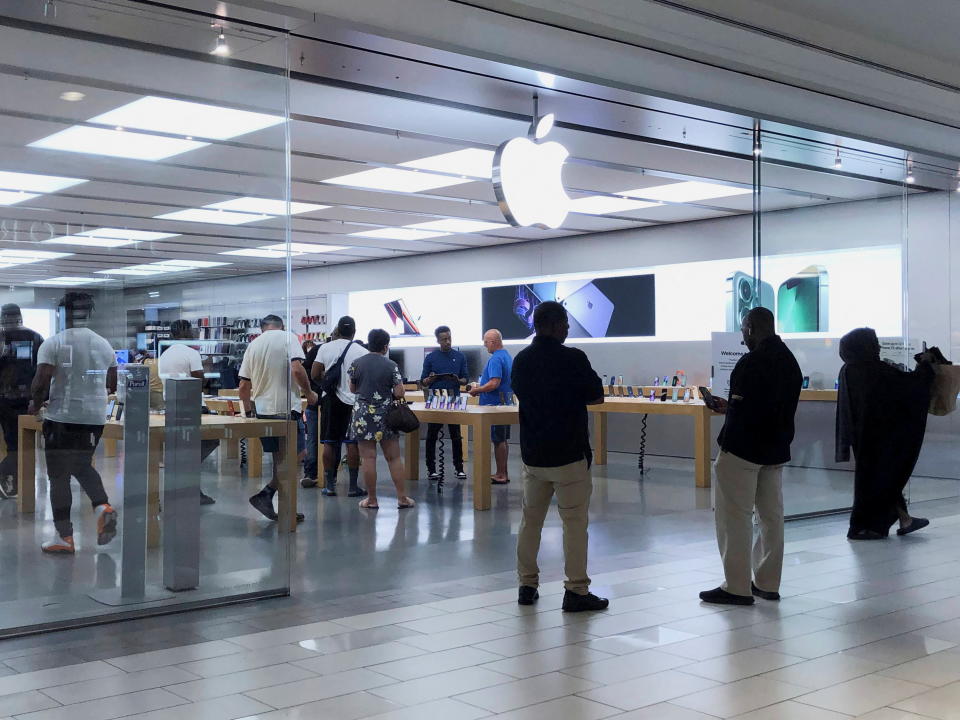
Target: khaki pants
573, 485
742, 486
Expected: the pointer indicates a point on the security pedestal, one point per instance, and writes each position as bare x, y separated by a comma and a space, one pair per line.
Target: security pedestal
181, 485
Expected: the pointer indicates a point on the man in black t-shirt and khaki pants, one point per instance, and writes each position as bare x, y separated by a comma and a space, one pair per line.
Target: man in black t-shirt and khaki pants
554, 385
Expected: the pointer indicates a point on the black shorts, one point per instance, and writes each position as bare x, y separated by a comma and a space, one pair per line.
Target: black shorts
272, 444
335, 416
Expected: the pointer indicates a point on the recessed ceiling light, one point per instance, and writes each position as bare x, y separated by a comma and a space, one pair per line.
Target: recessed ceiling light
691, 191
12, 198
264, 206
116, 143
604, 205
30, 182
218, 217
67, 281
400, 233
305, 248
457, 225
470, 161
260, 253
396, 180
72, 96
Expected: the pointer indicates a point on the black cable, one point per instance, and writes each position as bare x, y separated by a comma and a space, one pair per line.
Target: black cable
243, 451
440, 458
643, 443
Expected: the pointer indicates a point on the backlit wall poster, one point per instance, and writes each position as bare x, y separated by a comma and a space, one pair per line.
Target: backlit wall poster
412, 314
603, 307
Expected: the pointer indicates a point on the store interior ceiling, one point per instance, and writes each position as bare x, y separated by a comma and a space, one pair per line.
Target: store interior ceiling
122, 167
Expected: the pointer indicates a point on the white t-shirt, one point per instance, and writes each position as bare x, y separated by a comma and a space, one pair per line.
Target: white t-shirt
266, 364
178, 361
328, 355
78, 391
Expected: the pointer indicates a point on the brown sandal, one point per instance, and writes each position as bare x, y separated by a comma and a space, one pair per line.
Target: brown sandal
405, 503
365, 505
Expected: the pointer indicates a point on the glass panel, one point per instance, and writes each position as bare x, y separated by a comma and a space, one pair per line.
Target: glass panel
134, 158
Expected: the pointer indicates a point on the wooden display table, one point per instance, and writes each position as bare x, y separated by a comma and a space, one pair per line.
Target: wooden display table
627, 405
819, 395
479, 417
213, 427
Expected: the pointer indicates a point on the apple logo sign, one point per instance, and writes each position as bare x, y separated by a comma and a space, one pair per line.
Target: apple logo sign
527, 178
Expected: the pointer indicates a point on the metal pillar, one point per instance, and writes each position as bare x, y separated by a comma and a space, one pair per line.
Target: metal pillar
181, 484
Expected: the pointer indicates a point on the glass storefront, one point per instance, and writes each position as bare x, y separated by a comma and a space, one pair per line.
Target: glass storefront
171, 178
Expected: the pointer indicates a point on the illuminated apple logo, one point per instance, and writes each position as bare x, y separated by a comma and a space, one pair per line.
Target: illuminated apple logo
527, 178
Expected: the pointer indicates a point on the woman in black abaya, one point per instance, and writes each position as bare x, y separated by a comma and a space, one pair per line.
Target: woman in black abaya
882, 415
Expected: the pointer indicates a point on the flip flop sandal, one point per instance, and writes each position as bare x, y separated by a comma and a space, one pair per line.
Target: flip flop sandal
365, 505
915, 524
499, 482
406, 505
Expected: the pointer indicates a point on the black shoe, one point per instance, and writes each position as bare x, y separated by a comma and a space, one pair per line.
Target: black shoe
357, 492
864, 535
572, 602
915, 524
308, 482
527, 595
719, 596
264, 503
461, 475
765, 594
301, 517
206, 499
433, 476
327, 492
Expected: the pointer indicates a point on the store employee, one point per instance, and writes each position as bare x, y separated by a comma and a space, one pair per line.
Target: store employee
444, 369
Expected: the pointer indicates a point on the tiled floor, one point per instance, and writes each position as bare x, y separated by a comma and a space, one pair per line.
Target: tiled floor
868, 630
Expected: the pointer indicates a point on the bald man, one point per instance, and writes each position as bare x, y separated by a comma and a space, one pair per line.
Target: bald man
494, 389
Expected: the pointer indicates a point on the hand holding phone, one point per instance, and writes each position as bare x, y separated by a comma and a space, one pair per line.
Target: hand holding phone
717, 404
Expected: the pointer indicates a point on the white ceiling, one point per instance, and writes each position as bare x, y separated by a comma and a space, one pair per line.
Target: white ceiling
337, 129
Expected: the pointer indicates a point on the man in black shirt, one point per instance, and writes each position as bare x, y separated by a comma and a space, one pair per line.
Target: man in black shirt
18, 365
754, 446
554, 385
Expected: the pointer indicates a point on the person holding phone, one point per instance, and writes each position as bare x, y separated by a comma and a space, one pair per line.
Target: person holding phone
754, 446
444, 369
495, 389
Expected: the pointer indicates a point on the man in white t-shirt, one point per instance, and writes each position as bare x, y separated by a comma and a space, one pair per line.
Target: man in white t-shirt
272, 376
183, 361
336, 408
76, 369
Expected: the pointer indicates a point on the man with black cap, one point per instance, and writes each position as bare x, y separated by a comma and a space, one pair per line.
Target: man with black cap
336, 406
18, 364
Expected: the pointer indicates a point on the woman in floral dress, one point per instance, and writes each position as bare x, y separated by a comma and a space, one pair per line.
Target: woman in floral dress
376, 381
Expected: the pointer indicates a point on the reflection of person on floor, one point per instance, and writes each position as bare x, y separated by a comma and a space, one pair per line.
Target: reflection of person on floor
555, 384
495, 389
18, 364
882, 415
76, 371
271, 379
754, 446
375, 380
438, 367
183, 361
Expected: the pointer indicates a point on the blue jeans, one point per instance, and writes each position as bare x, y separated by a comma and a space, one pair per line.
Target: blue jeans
312, 419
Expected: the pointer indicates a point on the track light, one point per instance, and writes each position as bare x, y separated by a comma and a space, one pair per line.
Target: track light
756, 148
221, 48
838, 163
910, 178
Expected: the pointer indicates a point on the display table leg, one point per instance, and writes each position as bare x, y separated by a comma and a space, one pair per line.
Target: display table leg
600, 438
701, 448
153, 489
27, 468
254, 458
287, 474
231, 447
465, 441
411, 455
109, 447
482, 447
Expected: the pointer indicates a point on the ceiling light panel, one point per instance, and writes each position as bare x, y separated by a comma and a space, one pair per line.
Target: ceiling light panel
400, 233
471, 162
67, 281
12, 198
29, 182
215, 217
132, 270
264, 206
605, 205
89, 241
10, 257
396, 180
190, 264
116, 143
305, 248
692, 191
260, 253
109, 237
457, 225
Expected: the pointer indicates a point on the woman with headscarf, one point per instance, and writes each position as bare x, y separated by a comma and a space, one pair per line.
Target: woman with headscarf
882, 415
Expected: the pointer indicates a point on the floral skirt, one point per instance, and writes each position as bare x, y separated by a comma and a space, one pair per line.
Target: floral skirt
369, 420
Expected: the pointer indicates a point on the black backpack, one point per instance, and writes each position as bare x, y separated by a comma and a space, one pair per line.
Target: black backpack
331, 376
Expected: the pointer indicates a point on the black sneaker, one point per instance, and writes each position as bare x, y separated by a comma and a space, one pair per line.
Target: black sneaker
765, 594
573, 602
264, 503
719, 596
527, 595
433, 476
206, 499
357, 492
461, 475
308, 482
328, 492
301, 517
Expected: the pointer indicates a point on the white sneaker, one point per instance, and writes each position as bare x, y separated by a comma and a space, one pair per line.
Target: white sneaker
59, 546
